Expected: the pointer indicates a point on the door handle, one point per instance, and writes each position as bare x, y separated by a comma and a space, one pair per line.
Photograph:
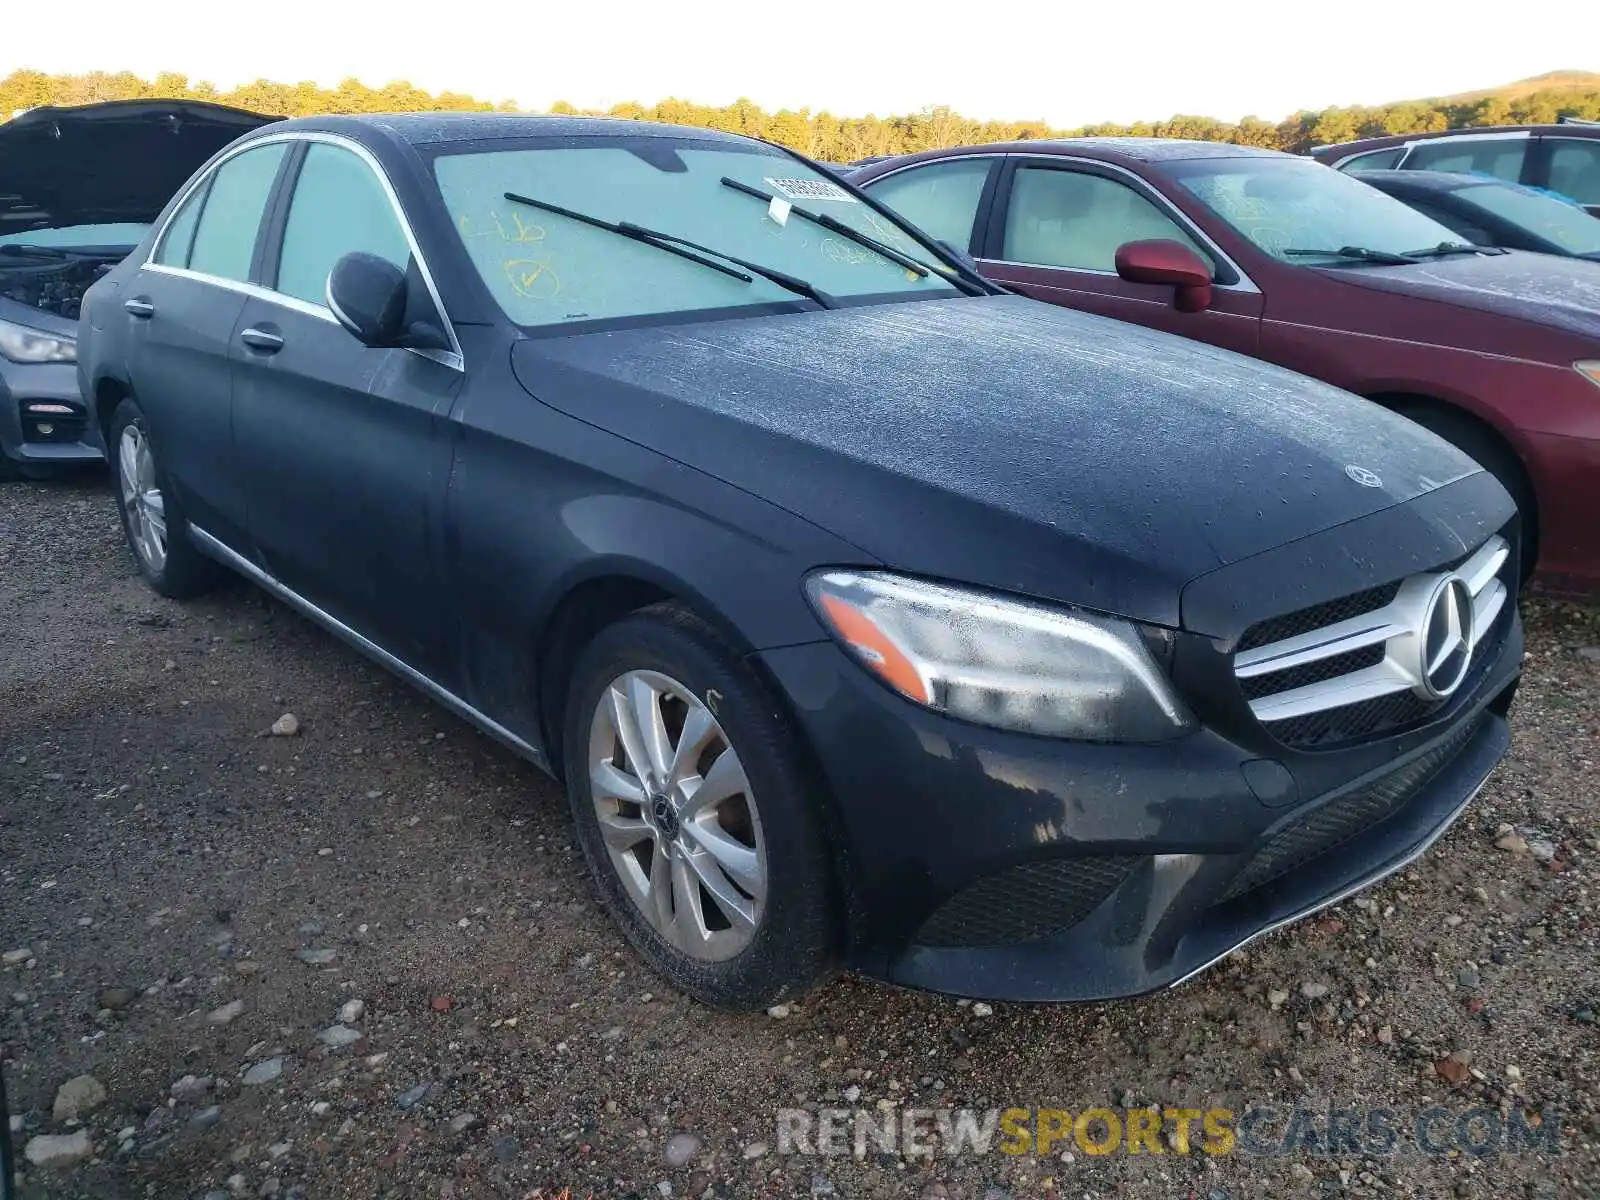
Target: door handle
263, 340
140, 307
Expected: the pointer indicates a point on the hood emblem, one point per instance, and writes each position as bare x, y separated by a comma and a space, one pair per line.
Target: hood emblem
1363, 476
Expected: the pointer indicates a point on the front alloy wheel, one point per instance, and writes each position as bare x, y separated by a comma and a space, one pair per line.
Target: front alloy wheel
680, 823
699, 819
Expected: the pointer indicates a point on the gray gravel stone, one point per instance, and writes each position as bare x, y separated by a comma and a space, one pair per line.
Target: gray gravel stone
681, 1148
59, 1150
263, 1072
78, 1098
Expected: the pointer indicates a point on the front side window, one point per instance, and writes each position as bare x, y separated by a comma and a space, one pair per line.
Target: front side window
339, 206
1500, 157
1575, 169
941, 198
225, 238
1566, 225
1299, 211
1071, 219
546, 269
1374, 160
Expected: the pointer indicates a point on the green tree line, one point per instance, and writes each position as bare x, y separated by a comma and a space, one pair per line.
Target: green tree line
821, 134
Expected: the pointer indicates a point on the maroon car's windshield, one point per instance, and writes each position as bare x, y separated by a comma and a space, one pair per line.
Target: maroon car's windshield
1292, 207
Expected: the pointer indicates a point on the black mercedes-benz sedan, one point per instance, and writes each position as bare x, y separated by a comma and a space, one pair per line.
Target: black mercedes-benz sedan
872, 616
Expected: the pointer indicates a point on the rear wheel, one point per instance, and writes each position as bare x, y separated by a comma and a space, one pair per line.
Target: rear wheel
694, 814
152, 516
1493, 454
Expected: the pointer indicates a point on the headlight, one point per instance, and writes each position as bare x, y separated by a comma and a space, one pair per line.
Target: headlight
24, 345
1589, 369
1002, 661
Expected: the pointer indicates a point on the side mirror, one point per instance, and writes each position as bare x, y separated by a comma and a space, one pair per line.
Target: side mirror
1162, 260
368, 296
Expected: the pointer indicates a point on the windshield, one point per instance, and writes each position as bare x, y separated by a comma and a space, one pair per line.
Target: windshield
1569, 227
125, 233
1284, 204
547, 269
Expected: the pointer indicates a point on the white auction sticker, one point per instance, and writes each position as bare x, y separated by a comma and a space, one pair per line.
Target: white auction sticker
809, 189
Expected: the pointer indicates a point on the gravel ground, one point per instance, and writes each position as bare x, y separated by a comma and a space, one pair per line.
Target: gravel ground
363, 960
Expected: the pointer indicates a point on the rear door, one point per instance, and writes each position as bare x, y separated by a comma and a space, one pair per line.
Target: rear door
342, 449
1054, 232
183, 305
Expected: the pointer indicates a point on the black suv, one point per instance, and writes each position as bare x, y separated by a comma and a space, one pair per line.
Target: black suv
871, 616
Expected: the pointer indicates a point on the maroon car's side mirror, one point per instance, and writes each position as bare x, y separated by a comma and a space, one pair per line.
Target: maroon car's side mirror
1161, 260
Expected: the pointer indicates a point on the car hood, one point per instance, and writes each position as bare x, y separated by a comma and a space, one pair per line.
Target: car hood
107, 163
1545, 289
1001, 441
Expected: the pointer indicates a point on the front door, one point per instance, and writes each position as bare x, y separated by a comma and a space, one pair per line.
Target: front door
343, 449
1054, 235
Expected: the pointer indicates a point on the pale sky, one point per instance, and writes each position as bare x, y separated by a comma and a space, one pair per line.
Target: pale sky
1067, 62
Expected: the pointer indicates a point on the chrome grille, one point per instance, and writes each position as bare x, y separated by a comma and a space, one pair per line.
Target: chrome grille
1380, 659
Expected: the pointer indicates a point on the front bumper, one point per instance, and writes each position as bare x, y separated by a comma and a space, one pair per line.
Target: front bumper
45, 439
1003, 866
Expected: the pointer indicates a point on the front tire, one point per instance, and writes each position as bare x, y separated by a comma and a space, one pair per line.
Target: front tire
152, 515
695, 815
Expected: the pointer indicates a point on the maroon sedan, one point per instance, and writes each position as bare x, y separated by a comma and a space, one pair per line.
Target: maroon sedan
1278, 257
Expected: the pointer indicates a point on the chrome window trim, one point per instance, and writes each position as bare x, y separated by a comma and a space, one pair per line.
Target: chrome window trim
452, 358
1246, 285
213, 547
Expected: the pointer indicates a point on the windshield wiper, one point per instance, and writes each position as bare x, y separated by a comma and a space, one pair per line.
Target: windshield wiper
968, 281
684, 248
1453, 248
837, 226
1359, 254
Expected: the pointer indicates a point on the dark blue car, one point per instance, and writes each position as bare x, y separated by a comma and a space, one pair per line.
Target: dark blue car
871, 615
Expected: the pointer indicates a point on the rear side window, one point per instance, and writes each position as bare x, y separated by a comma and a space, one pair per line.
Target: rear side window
1500, 157
339, 206
1575, 169
175, 243
941, 198
1070, 219
225, 239
1374, 160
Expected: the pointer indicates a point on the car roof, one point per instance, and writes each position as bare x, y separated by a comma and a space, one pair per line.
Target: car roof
1565, 129
1125, 150
428, 128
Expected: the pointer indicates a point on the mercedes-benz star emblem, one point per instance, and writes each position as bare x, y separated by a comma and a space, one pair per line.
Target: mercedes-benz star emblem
1446, 640
1363, 476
